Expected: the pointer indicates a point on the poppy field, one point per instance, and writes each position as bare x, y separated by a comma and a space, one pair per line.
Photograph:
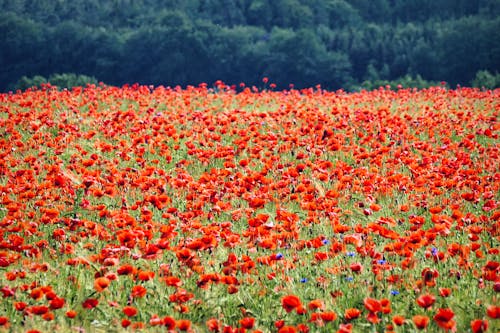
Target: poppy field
210, 210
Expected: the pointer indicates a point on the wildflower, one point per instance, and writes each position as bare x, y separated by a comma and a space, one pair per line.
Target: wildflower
183, 324
138, 291
213, 325
247, 322
4, 321
71, 313
20, 306
493, 311
129, 311
426, 300
398, 320
386, 305
444, 319
90, 303
372, 304
48, 316
155, 320
125, 323
420, 321
444, 292
145, 275
169, 322
301, 310
356, 267
316, 304
328, 316
101, 283
290, 302
38, 309
56, 303
479, 326
173, 281
351, 314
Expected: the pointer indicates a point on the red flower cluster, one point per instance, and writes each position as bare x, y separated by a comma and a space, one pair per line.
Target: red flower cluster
144, 207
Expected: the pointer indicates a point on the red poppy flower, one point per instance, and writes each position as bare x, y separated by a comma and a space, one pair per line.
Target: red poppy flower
4, 321
290, 302
101, 283
56, 303
493, 311
316, 304
169, 322
126, 269
372, 305
287, 329
90, 303
356, 267
328, 316
125, 323
145, 275
444, 317
183, 324
48, 316
213, 325
247, 322
301, 310
351, 314
138, 291
479, 326
444, 292
426, 300
71, 313
373, 318
129, 311
398, 320
173, 281
36, 293
386, 305
38, 309
420, 321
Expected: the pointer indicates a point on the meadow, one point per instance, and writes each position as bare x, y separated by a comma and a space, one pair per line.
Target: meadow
202, 209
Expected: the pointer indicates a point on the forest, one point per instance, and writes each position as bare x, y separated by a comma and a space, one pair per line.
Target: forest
337, 44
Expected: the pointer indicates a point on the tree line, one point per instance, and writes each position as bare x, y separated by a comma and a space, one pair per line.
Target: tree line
334, 43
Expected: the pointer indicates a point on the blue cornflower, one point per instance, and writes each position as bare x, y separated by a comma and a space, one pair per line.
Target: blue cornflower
303, 280
350, 254
434, 251
279, 256
381, 261
325, 241
349, 278
394, 292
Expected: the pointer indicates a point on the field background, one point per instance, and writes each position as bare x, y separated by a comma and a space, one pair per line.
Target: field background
205, 209
249, 166
336, 43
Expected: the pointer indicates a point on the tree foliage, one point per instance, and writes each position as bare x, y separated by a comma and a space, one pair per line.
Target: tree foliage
335, 43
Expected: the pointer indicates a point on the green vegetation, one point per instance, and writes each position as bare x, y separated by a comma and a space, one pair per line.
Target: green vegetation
66, 80
335, 43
